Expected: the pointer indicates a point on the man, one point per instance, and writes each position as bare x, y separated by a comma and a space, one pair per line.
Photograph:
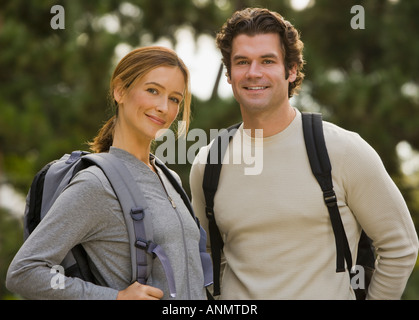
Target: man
278, 238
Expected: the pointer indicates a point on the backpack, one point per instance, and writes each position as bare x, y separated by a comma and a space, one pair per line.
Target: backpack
50, 181
321, 168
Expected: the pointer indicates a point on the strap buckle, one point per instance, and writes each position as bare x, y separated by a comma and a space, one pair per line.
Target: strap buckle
209, 212
330, 198
137, 214
148, 246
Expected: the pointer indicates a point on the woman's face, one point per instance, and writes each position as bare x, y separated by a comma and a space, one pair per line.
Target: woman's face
152, 103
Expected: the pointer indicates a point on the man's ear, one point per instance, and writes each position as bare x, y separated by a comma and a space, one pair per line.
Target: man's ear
228, 78
292, 73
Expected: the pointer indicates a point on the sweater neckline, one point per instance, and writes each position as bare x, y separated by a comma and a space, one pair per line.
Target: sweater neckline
131, 160
280, 136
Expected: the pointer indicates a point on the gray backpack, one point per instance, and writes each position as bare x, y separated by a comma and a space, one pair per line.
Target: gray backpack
50, 181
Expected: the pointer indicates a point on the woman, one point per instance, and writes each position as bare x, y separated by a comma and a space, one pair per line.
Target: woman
148, 87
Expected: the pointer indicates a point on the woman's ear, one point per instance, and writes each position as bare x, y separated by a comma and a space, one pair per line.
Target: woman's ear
118, 92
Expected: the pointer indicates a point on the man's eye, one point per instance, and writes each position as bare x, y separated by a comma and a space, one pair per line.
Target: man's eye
242, 62
268, 61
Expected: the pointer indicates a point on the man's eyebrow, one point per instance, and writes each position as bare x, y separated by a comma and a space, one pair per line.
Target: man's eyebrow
163, 87
238, 57
270, 55
267, 55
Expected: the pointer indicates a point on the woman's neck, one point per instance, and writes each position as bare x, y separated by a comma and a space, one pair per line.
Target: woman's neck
139, 148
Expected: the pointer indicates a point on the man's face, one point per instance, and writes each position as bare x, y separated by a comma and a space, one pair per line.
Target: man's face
257, 73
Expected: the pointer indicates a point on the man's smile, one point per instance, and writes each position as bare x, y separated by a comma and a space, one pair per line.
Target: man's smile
255, 88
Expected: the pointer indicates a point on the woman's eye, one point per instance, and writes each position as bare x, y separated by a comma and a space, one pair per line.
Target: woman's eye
152, 91
175, 100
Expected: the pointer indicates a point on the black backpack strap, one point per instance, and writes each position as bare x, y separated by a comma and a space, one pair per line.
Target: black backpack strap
33, 216
205, 258
366, 255
321, 167
82, 268
177, 186
210, 183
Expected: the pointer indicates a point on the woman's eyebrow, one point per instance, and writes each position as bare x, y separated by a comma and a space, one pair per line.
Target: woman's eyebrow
161, 86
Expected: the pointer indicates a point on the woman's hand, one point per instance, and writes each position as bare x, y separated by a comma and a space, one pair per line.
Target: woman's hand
138, 291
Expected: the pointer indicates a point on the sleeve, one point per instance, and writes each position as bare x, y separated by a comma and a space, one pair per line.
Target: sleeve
74, 218
379, 207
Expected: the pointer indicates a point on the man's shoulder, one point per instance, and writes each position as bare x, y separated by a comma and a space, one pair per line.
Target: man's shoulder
346, 143
333, 129
335, 134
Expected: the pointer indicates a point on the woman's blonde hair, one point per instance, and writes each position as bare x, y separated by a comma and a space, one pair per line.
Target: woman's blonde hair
131, 68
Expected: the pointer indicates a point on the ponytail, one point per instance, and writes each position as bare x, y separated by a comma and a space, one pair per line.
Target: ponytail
103, 141
132, 67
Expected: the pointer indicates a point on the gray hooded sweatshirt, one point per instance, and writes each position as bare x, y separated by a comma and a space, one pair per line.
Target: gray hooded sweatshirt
89, 213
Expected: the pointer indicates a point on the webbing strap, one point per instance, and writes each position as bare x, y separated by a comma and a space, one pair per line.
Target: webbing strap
137, 215
134, 207
210, 183
150, 247
205, 258
321, 167
159, 252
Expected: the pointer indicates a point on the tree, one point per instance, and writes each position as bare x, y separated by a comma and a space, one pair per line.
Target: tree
54, 82
366, 80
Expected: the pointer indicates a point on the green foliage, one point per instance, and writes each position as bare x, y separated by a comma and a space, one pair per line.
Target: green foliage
370, 68
412, 288
11, 238
358, 77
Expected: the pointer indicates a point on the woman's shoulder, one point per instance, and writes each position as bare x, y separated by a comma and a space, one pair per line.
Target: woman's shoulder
91, 180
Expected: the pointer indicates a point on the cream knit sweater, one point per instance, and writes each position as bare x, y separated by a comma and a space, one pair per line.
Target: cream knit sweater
279, 242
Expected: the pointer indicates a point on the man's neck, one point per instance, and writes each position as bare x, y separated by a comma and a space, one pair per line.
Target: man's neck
271, 123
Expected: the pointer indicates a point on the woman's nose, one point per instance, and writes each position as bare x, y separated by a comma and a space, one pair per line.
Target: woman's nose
162, 105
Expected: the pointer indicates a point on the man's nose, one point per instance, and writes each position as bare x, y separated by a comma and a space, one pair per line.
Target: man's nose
254, 70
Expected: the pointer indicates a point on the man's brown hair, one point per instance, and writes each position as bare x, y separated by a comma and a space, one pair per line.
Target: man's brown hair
253, 21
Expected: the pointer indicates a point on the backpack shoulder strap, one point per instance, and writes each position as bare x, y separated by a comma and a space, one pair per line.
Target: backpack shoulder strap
214, 163
175, 183
210, 184
137, 218
205, 259
321, 168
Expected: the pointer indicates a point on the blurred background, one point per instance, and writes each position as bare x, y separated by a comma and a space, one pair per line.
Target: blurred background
54, 82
